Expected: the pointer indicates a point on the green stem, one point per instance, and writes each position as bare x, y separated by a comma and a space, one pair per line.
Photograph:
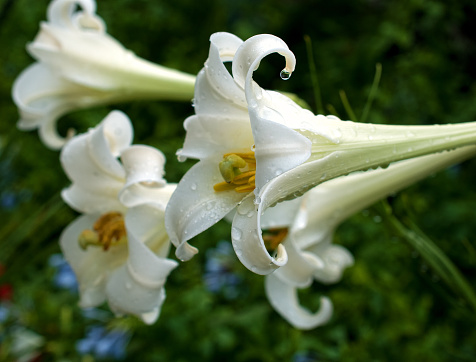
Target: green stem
433, 255
314, 79
372, 93
347, 106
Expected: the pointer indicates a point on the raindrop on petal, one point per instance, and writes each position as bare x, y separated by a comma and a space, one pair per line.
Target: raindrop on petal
285, 74
236, 234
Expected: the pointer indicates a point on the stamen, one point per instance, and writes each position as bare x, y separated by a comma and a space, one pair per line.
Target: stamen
238, 170
273, 237
109, 230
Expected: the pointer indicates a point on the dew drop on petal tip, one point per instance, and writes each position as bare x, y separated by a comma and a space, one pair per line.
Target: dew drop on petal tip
236, 234
285, 74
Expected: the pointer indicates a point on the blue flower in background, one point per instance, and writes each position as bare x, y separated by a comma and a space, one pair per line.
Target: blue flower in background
4, 313
104, 344
64, 277
219, 275
305, 356
8, 200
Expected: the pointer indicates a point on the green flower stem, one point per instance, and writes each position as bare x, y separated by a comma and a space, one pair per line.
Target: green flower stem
372, 93
314, 79
433, 255
347, 106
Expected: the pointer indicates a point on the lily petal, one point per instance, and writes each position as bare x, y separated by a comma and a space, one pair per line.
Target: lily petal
89, 161
299, 269
91, 266
137, 287
284, 299
220, 134
245, 236
278, 148
223, 47
336, 259
195, 206
144, 168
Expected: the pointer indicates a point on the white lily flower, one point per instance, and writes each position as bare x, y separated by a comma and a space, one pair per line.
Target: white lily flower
79, 66
246, 137
118, 249
306, 226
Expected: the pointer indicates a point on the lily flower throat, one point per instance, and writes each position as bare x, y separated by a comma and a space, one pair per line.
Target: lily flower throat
239, 171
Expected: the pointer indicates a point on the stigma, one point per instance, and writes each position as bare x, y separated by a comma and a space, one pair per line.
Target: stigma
108, 230
238, 171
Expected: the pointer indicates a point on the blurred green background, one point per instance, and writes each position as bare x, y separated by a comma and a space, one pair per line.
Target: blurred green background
390, 306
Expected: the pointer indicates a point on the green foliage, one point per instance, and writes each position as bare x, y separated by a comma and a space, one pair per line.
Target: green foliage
390, 306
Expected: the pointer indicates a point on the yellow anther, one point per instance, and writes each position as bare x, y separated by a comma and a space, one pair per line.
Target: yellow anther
245, 188
244, 177
238, 170
108, 230
273, 237
223, 186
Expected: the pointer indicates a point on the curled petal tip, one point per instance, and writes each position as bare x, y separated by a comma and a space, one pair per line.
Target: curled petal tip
185, 251
253, 50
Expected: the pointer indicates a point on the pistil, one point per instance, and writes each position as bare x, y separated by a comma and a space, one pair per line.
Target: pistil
238, 170
108, 230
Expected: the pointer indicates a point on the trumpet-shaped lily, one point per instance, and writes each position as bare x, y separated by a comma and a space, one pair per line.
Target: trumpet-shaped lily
118, 248
244, 137
79, 66
309, 222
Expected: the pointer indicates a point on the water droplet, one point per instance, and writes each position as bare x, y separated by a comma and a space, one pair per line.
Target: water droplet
254, 269
377, 219
181, 158
244, 209
236, 234
278, 172
285, 74
323, 176
250, 214
337, 133
370, 137
257, 200
193, 186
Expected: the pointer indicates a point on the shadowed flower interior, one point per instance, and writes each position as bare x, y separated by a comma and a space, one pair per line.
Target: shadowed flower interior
109, 230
